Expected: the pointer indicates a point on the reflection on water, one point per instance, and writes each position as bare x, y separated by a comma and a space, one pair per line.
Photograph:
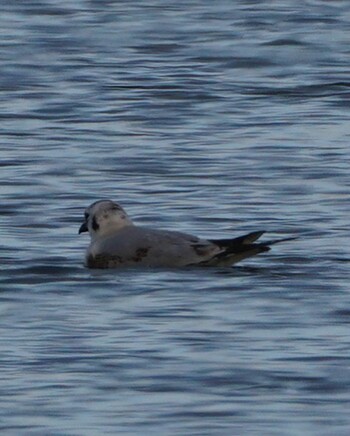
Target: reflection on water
213, 119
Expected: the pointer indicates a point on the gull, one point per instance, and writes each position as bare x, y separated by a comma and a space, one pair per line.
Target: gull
117, 242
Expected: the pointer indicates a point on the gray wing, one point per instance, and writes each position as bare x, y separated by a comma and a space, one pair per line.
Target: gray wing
149, 247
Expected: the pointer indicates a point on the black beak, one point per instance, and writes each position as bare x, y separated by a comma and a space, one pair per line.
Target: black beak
83, 228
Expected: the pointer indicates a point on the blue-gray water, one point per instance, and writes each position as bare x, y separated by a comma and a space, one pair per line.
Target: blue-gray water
214, 118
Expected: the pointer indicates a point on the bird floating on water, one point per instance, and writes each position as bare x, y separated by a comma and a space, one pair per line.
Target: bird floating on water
117, 242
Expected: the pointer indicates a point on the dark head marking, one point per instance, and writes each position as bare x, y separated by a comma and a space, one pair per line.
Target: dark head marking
95, 226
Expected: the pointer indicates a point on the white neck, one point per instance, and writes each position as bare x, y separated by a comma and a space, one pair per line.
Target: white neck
113, 226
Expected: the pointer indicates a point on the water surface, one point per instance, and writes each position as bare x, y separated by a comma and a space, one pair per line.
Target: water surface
214, 118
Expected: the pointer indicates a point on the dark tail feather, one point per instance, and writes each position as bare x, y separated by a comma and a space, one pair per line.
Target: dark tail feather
237, 242
277, 241
242, 247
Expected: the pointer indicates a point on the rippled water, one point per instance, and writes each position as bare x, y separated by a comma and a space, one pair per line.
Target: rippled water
213, 118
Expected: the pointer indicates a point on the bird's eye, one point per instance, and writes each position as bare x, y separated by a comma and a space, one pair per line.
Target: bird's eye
86, 215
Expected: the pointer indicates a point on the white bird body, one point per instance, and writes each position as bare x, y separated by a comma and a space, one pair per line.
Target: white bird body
117, 242
149, 247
